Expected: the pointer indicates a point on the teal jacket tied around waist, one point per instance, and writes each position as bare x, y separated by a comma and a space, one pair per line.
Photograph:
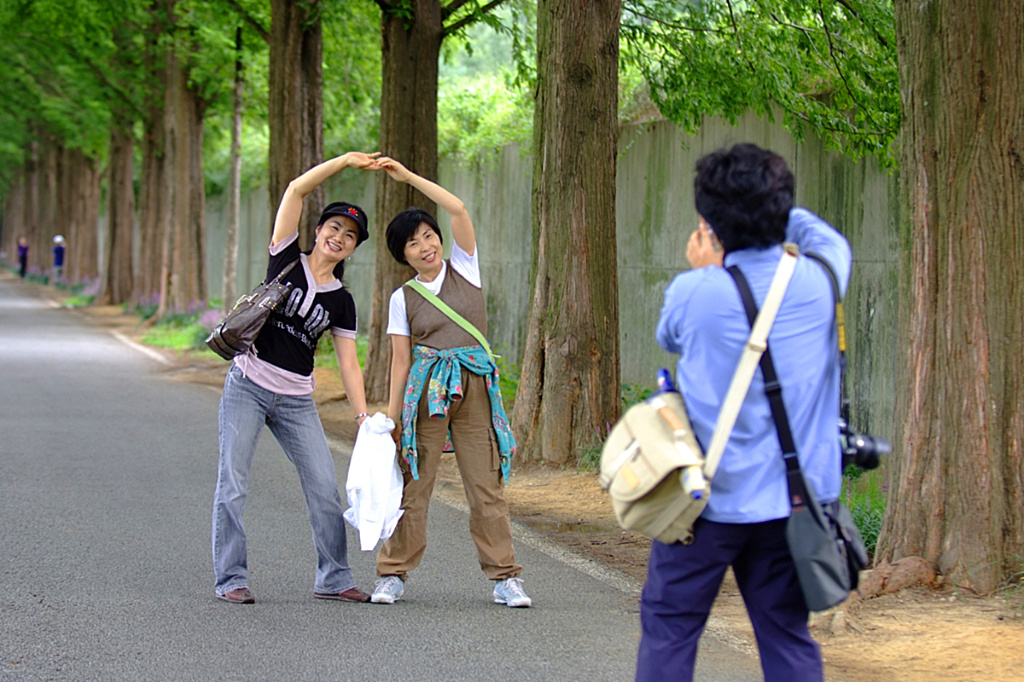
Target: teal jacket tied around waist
440, 373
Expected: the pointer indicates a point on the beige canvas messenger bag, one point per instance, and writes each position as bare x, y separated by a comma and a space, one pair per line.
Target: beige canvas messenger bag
654, 471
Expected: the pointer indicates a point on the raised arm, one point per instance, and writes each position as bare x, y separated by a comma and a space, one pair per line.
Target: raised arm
462, 226
814, 235
290, 209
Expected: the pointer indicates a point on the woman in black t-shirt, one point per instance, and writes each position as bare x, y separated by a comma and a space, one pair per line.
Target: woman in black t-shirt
273, 385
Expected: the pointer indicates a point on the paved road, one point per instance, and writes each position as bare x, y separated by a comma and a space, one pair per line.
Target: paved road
107, 472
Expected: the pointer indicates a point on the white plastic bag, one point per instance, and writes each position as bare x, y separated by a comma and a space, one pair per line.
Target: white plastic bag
374, 482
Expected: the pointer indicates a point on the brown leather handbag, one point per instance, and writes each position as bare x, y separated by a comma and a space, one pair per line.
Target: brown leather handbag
236, 333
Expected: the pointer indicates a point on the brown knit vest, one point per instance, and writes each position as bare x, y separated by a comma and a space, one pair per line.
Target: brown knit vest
432, 328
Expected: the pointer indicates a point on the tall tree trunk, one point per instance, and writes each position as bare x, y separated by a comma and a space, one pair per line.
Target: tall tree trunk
117, 286
569, 380
194, 257
84, 248
15, 212
957, 495
79, 205
48, 200
228, 289
154, 204
408, 132
186, 284
296, 104
30, 217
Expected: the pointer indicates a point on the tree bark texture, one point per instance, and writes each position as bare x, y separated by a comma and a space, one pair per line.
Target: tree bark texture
117, 286
79, 191
569, 387
154, 209
408, 132
234, 182
68, 203
296, 105
185, 286
957, 494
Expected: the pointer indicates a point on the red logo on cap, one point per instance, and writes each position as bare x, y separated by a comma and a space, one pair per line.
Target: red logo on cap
352, 211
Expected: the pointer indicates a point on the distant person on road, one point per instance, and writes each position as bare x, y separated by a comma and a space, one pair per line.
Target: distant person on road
744, 199
22, 256
58, 259
273, 385
443, 380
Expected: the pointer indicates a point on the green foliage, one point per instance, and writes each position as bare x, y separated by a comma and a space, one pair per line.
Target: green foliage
588, 459
483, 103
508, 382
326, 357
79, 300
475, 118
634, 393
866, 502
828, 67
352, 76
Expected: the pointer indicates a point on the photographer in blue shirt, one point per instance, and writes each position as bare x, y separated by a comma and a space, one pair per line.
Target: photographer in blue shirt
744, 199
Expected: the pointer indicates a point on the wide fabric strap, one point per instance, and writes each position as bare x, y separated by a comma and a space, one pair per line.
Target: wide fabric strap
450, 312
757, 344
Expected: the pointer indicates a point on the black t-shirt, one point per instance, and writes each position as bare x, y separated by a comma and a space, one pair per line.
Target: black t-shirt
289, 338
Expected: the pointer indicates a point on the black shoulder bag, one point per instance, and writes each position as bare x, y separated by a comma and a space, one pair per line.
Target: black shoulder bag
236, 333
826, 546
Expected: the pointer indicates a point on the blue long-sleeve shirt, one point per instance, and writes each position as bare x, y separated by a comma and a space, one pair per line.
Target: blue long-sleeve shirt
702, 320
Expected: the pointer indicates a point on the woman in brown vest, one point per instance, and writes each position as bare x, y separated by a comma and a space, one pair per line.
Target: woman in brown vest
444, 380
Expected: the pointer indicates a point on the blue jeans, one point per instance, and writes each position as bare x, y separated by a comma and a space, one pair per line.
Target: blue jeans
244, 409
683, 581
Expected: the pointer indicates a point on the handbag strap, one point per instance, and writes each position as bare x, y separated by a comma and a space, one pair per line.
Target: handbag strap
447, 310
757, 344
285, 271
794, 479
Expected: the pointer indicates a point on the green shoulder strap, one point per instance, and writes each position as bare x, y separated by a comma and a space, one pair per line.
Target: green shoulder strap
458, 319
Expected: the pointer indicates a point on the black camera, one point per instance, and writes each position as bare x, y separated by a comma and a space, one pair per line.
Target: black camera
860, 449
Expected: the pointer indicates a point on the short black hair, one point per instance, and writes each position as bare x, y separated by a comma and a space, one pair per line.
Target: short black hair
745, 194
403, 226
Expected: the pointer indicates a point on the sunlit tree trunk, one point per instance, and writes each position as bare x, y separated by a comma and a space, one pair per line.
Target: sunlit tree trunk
228, 294
296, 105
184, 258
117, 286
79, 187
408, 132
957, 492
154, 195
569, 378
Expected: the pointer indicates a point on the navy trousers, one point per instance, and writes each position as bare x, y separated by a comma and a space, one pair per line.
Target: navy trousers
683, 581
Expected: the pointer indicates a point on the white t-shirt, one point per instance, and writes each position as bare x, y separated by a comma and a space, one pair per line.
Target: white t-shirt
466, 265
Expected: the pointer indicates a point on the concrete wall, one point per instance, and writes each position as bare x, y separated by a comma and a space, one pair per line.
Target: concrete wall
655, 216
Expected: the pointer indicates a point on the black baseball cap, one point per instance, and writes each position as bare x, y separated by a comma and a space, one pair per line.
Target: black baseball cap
342, 208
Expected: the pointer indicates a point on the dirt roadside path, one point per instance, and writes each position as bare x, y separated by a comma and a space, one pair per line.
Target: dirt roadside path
918, 634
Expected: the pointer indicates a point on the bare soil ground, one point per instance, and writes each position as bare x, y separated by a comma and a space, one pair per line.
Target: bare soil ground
920, 633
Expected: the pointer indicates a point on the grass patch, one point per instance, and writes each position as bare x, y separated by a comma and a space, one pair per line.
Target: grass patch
588, 459
508, 382
867, 507
326, 357
173, 337
80, 300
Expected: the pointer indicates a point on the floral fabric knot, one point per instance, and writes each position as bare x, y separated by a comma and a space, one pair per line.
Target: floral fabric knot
439, 372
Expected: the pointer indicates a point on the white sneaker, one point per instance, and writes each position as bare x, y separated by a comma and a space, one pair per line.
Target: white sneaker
388, 590
510, 593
